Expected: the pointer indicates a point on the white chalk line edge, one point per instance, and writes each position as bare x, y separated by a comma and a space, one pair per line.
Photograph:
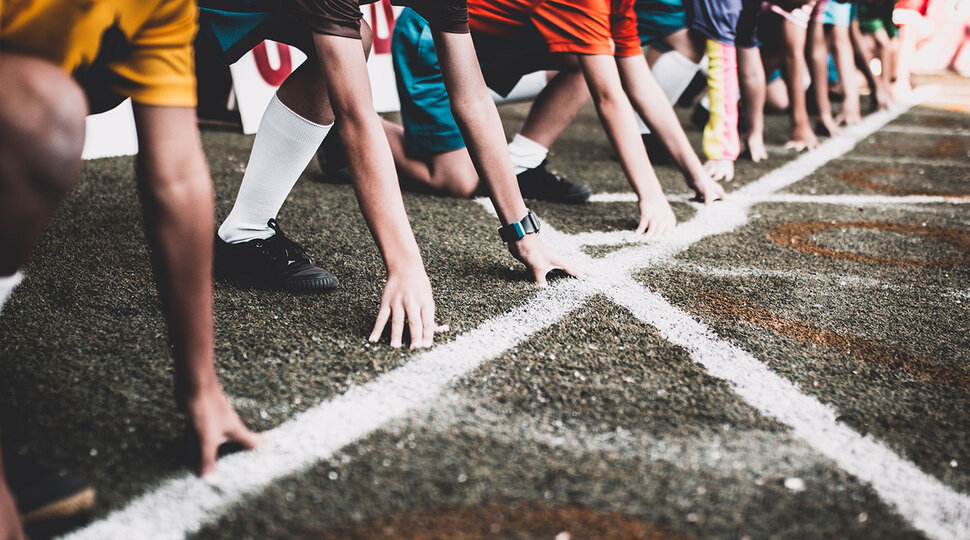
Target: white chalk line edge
182, 505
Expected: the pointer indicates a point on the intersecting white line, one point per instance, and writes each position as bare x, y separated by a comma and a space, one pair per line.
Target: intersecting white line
184, 504
798, 198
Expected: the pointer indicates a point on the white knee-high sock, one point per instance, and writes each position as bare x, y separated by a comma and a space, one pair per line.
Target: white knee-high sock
526, 153
673, 72
7, 285
284, 145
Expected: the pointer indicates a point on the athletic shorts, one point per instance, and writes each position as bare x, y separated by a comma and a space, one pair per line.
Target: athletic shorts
566, 26
429, 126
233, 27
657, 19
838, 14
873, 18
730, 22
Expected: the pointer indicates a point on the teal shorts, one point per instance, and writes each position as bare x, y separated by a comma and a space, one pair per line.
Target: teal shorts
838, 14
429, 126
657, 19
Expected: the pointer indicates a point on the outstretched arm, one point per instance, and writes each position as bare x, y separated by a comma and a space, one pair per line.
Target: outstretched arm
650, 102
616, 114
407, 294
178, 199
481, 127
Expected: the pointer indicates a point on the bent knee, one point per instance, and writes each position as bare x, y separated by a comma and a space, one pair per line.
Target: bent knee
42, 113
457, 183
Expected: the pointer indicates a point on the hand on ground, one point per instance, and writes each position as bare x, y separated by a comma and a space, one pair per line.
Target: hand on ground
540, 259
720, 169
216, 423
803, 138
883, 99
849, 118
830, 126
756, 147
656, 217
407, 296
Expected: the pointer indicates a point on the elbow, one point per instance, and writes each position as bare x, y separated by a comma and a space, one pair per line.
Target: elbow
178, 183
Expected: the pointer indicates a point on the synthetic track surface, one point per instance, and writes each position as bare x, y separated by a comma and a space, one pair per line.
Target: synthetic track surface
424, 384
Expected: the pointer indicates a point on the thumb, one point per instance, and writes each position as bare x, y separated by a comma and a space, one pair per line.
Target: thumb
540, 276
207, 458
248, 439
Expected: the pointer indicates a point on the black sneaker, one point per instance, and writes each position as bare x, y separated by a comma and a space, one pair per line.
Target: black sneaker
539, 183
275, 263
50, 502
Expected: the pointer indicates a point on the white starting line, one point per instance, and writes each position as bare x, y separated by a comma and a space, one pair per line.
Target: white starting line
184, 504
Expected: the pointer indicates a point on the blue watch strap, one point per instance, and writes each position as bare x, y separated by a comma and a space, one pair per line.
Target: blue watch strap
516, 230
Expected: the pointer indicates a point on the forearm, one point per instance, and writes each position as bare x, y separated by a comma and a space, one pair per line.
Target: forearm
648, 99
371, 164
178, 202
377, 190
479, 123
616, 114
751, 73
820, 68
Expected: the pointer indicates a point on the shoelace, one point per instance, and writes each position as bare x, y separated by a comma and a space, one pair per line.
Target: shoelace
281, 248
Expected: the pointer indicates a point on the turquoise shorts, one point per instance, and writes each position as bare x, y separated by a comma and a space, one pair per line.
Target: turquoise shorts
429, 126
838, 14
657, 19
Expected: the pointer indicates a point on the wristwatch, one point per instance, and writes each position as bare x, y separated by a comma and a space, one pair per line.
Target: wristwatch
513, 231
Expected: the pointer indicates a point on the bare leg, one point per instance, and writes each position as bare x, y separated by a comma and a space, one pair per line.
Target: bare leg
802, 136
449, 173
819, 54
884, 49
908, 37
864, 46
42, 114
556, 107
684, 42
842, 44
751, 75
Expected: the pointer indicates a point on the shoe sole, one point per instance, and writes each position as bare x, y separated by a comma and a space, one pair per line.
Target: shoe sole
576, 199
302, 286
320, 284
79, 503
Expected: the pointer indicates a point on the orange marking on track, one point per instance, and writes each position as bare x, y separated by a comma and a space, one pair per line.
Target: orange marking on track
858, 348
797, 236
947, 147
862, 178
491, 520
